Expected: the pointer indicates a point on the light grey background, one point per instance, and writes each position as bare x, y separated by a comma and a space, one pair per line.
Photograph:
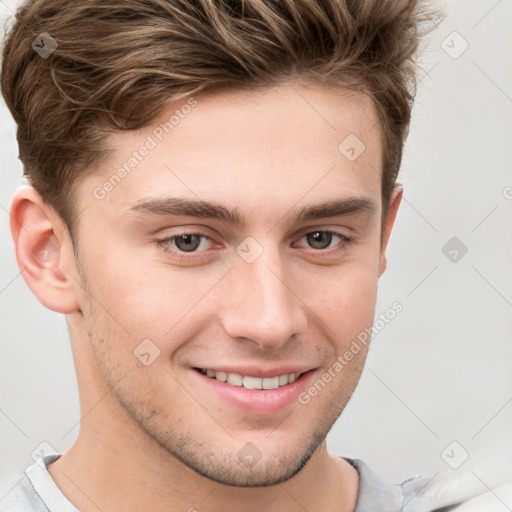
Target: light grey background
441, 370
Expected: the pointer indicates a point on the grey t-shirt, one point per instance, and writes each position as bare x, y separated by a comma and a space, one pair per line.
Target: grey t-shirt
35, 491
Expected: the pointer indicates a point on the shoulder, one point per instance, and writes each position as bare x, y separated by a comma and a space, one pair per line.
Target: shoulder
33, 490
498, 499
484, 490
475, 490
458, 492
17, 495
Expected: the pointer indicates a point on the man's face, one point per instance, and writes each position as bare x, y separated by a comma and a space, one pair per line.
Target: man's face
171, 296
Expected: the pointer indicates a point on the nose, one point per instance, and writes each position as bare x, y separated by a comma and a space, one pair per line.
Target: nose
263, 305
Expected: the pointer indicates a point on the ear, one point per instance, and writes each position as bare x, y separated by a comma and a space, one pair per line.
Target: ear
44, 251
394, 203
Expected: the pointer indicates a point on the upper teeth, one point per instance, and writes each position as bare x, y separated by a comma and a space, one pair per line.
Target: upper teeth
235, 379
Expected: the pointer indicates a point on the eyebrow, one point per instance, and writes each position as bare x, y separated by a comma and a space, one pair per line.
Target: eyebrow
210, 210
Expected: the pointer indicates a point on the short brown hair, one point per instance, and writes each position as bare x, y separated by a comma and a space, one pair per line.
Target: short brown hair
119, 63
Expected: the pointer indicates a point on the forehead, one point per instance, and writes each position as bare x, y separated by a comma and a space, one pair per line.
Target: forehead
251, 149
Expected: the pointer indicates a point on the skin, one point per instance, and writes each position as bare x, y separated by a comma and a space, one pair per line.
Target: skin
156, 436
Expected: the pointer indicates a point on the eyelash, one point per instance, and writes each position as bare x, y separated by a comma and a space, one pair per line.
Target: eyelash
165, 243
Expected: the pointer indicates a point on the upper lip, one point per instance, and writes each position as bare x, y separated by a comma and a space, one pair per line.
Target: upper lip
258, 371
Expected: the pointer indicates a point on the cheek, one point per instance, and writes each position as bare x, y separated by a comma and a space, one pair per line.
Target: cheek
147, 298
344, 298
130, 361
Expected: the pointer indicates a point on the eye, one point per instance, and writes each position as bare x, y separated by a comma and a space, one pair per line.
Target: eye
186, 242
322, 239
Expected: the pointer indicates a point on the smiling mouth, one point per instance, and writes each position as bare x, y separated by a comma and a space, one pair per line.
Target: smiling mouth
248, 382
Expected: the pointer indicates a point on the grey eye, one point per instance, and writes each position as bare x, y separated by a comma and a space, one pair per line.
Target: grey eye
319, 239
188, 243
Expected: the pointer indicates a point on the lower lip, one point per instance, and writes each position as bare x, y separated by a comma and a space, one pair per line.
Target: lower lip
260, 401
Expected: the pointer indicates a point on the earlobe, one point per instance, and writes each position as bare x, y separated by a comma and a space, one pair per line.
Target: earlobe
43, 251
394, 203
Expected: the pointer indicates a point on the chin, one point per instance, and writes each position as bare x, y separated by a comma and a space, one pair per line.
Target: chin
258, 474
249, 468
